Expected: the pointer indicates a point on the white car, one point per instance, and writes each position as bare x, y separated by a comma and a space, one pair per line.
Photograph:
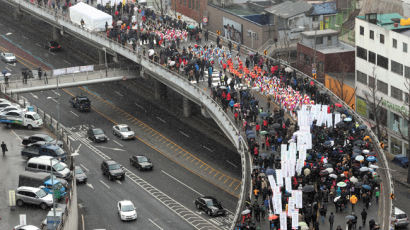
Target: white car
8, 57
10, 108
123, 131
25, 227
126, 210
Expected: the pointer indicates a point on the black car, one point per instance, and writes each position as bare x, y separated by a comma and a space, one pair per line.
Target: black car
97, 135
112, 169
210, 205
40, 137
52, 46
141, 162
82, 103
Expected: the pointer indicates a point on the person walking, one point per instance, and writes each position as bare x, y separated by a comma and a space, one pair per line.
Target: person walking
332, 220
4, 148
263, 211
45, 78
377, 194
353, 201
364, 216
322, 212
40, 72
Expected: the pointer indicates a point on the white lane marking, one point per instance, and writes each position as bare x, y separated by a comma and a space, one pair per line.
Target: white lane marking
90, 185
118, 93
232, 164
54, 100
155, 224
55, 92
75, 153
37, 44
66, 61
115, 149
116, 142
106, 185
85, 168
71, 138
9, 34
18, 137
119, 182
186, 135
7, 68
33, 95
82, 220
162, 120
74, 114
51, 53
140, 106
207, 148
181, 182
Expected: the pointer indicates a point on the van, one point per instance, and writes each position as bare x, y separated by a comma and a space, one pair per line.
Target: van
43, 164
400, 218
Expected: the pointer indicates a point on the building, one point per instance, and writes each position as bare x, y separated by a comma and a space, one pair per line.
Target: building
323, 14
383, 67
323, 49
195, 9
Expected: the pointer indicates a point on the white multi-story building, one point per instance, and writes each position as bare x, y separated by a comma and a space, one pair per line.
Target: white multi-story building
383, 61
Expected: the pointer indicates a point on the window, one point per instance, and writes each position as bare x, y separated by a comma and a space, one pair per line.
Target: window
329, 38
198, 4
185, 2
371, 34
382, 87
31, 165
407, 71
361, 53
320, 66
396, 67
189, 3
396, 93
319, 40
361, 77
315, 18
394, 43
42, 167
307, 60
372, 57
193, 4
361, 30
382, 61
404, 47
406, 97
381, 111
382, 38
371, 82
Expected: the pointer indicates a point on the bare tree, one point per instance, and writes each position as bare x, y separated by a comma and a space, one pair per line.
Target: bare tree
341, 85
160, 5
406, 116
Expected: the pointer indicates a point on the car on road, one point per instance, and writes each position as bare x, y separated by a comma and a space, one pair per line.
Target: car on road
82, 103
126, 210
123, 131
52, 46
141, 162
32, 195
97, 135
8, 57
41, 137
25, 227
112, 169
400, 218
210, 206
80, 176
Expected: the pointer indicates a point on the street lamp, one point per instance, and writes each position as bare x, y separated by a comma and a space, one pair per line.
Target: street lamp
52, 190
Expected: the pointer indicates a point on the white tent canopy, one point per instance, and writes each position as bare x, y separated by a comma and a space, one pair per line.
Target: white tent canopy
94, 19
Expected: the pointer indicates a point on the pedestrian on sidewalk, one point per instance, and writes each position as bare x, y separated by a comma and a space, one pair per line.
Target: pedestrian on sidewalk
40, 72
263, 211
4, 148
377, 194
364, 216
256, 193
6, 80
332, 220
353, 201
45, 78
322, 212
257, 212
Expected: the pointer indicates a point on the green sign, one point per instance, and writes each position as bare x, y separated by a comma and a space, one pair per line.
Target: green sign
397, 108
361, 107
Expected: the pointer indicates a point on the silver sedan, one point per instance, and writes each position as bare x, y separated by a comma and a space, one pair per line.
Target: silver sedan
8, 57
123, 131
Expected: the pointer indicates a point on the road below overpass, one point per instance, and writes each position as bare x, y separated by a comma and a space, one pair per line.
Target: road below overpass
175, 176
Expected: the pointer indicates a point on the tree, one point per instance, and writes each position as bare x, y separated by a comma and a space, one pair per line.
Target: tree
159, 5
405, 113
340, 88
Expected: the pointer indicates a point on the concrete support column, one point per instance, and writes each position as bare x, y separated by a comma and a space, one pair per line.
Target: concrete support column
56, 33
101, 57
186, 107
204, 112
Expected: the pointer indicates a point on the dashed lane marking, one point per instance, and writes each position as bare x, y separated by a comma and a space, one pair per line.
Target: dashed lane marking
33, 95
74, 114
106, 185
181, 183
116, 142
162, 120
186, 135
232, 164
207, 148
156, 225
118, 93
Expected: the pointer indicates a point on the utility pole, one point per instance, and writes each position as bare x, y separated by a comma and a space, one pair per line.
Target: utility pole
52, 190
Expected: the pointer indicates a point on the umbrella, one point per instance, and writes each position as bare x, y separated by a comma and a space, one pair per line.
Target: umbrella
251, 136
270, 171
350, 217
236, 105
276, 125
308, 188
336, 199
366, 186
359, 158
249, 131
348, 119
374, 166
246, 212
4, 71
264, 132
354, 179
324, 173
222, 87
366, 151
306, 171
334, 176
264, 155
303, 226
8, 74
151, 52
327, 143
364, 169
330, 170
362, 127
191, 27
340, 124
273, 217
264, 114
357, 150
341, 184
371, 159
272, 132
338, 105
255, 167
358, 184
288, 69
358, 142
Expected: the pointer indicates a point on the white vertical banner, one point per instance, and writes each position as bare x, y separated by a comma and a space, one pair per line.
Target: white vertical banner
283, 223
279, 177
337, 118
288, 184
299, 203
278, 204
329, 120
291, 206
271, 180
295, 219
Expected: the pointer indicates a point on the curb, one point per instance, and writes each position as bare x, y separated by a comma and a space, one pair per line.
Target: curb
401, 183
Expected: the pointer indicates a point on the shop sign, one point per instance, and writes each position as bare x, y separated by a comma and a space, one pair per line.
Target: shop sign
397, 108
361, 107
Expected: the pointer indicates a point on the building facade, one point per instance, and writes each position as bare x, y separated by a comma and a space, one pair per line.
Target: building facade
195, 9
383, 69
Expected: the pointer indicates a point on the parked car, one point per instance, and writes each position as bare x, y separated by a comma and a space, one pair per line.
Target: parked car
400, 218
41, 137
10, 108
126, 210
82, 103
141, 162
43, 164
112, 169
31, 195
52, 46
210, 205
41, 148
8, 57
123, 131
97, 135
25, 227
401, 160
80, 176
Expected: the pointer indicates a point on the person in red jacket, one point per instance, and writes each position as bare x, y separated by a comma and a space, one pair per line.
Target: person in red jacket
257, 128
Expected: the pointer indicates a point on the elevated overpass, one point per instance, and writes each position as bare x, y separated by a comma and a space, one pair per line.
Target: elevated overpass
197, 95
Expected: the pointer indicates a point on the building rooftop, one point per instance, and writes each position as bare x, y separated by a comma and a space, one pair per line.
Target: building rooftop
326, 32
245, 9
323, 8
387, 21
289, 8
339, 48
